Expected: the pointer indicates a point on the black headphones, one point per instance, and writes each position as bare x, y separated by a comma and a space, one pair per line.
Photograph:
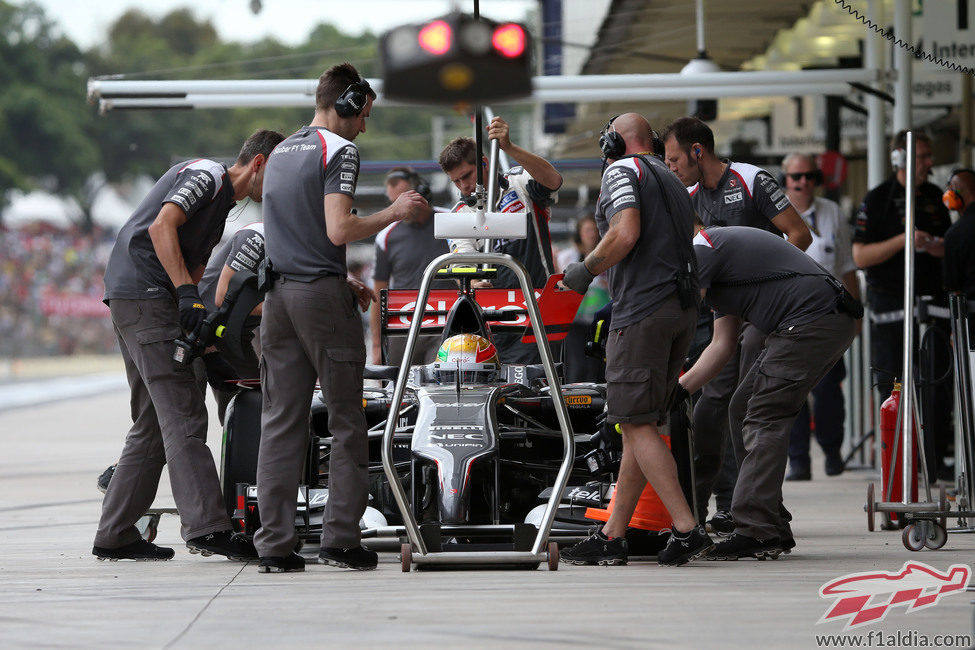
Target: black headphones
612, 145
353, 99
415, 180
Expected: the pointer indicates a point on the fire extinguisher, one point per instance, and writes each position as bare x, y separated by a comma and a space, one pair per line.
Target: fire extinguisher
891, 457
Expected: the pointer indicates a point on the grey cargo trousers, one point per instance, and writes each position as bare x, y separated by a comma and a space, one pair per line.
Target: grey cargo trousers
169, 427
311, 330
770, 396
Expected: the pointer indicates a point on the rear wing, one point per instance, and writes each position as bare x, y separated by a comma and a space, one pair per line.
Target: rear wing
558, 308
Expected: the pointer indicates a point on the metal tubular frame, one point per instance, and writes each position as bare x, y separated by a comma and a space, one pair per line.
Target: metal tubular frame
964, 465
907, 375
537, 554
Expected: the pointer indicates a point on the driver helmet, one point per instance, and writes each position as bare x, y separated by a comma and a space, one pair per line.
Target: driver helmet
472, 355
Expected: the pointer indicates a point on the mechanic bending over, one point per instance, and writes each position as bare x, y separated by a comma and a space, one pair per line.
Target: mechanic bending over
530, 187
808, 320
402, 252
150, 289
646, 221
310, 328
725, 193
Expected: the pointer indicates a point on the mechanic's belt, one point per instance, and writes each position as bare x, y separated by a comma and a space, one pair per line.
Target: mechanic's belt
894, 316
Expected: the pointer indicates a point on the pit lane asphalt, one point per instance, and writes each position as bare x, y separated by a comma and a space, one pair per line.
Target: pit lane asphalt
54, 593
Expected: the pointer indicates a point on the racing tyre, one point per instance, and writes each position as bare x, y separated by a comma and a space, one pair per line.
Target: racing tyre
553, 556
937, 536
405, 557
912, 537
241, 439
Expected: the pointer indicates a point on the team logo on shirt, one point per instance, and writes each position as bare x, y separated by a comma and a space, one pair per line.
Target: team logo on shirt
732, 182
733, 197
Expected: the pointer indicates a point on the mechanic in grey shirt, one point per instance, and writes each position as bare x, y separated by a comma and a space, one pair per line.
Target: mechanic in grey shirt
646, 221
530, 187
747, 274
725, 193
150, 288
310, 327
403, 250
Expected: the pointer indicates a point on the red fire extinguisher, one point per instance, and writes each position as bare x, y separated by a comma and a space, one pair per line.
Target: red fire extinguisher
891, 471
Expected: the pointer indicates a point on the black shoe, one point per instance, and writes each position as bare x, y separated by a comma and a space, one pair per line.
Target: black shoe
597, 549
358, 558
104, 478
742, 546
721, 524
224, 542
834, 465
681, 549
139, 550
294, 563
786, 544
800, 472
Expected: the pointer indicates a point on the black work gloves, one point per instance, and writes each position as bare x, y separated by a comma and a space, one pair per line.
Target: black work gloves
192, 312
577, 277
680, 393
219, 372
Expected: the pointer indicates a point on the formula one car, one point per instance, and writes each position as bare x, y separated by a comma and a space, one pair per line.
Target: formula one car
476, 443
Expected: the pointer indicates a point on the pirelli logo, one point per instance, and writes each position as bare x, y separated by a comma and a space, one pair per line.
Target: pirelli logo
578, 400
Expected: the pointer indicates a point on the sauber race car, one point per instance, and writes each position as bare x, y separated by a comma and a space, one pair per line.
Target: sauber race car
477, 444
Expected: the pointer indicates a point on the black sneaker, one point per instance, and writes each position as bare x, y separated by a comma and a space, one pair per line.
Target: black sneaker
104, 478
721, 524
294, 563
224, 542
139, 550
742, 546
597, 549
786, 544
799, 473
358, 558
681, 549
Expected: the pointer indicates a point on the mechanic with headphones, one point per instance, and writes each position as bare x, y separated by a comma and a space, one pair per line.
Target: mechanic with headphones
725, 193
403, 250
151, 289
531, 186
646, 221
959, 259
831, 247
878, 247
310, 327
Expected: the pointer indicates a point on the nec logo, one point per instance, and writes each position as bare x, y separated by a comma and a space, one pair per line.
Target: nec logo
733, 197
866, 598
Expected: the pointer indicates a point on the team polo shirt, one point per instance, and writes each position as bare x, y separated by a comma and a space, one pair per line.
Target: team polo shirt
242, 252
745, 195
299, 173
646, 277
761, 278
403, 251
202, 190
881, 216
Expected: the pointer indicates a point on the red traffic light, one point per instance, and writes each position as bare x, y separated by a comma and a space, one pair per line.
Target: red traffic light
509, 40
435, 38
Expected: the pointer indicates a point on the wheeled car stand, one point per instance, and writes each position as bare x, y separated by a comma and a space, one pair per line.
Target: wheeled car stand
424, 545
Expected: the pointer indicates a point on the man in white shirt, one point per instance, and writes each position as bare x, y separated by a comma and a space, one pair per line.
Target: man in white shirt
832, 248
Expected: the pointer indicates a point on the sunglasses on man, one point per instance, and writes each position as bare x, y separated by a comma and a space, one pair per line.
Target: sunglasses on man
816, 176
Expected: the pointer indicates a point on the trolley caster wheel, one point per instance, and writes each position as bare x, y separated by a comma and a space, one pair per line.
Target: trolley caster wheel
406, 557
913, 537
553, 556
937, 536
148, 527
870, 507
943, 506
